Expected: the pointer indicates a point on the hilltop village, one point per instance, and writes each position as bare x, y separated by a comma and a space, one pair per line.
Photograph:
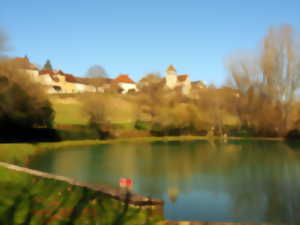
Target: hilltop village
60, 82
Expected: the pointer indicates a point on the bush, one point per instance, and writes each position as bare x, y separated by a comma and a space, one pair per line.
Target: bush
242, 132
293, 134
131, 133
170, 130
140, 125
82, 134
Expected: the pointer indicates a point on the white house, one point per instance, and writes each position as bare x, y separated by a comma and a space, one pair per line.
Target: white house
33, 74
125, 83
46, 77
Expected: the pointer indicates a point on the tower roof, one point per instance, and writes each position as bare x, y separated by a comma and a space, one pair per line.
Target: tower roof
171, 68
24, 63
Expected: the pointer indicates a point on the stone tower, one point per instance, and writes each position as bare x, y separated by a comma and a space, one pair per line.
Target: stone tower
171, 77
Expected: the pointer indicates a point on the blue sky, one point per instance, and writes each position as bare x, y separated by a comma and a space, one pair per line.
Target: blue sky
141, 36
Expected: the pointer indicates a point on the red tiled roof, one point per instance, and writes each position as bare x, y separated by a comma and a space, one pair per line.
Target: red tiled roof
24, 63
182, 78
50, 73
171, 68
82, 80
60, 72
43, 72
70, 78
124, 78
87, 80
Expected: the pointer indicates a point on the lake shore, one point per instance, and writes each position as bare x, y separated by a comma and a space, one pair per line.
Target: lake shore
19, 153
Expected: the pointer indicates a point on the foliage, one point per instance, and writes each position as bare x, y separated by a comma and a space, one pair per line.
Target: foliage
141, 125
85, 133
293, 134
48, 65
23, 103
149, 81
96, 107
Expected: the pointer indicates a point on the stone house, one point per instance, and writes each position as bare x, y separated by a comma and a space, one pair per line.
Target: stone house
173, 80
24, 64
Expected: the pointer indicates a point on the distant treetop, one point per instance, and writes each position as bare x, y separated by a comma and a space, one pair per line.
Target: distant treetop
48, 65
96, 71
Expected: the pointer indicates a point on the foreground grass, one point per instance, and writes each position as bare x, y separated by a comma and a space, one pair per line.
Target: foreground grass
36, 200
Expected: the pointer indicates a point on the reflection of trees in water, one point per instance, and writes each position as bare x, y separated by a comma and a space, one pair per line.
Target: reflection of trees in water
267, 184
261, 178
176, 162
28, 200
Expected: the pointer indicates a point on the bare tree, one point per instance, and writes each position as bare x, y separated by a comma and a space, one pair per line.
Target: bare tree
3, 42
97, 77
96, 107
270, 77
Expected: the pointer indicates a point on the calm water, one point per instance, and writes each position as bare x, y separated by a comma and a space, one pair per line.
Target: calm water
238, 181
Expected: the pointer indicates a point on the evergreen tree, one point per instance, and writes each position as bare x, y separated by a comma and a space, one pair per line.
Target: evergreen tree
47, 65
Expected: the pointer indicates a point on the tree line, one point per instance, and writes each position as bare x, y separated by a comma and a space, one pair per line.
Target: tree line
260, 97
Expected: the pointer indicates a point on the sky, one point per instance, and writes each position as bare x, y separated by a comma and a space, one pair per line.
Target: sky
137, 37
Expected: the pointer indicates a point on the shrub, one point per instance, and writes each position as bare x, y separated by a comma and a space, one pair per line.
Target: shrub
293, 134
140, 125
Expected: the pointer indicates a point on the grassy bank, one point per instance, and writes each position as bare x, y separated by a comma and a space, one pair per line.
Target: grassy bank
30, 199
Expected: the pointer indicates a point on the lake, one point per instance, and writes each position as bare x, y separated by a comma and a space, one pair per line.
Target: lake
236, 181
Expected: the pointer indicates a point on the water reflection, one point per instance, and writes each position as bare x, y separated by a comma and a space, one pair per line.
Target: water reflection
242, 181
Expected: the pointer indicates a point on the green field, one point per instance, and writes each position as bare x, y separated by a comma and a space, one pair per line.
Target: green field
68, 113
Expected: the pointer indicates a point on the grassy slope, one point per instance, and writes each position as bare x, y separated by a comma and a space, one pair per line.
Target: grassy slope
34, 200
68, 113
